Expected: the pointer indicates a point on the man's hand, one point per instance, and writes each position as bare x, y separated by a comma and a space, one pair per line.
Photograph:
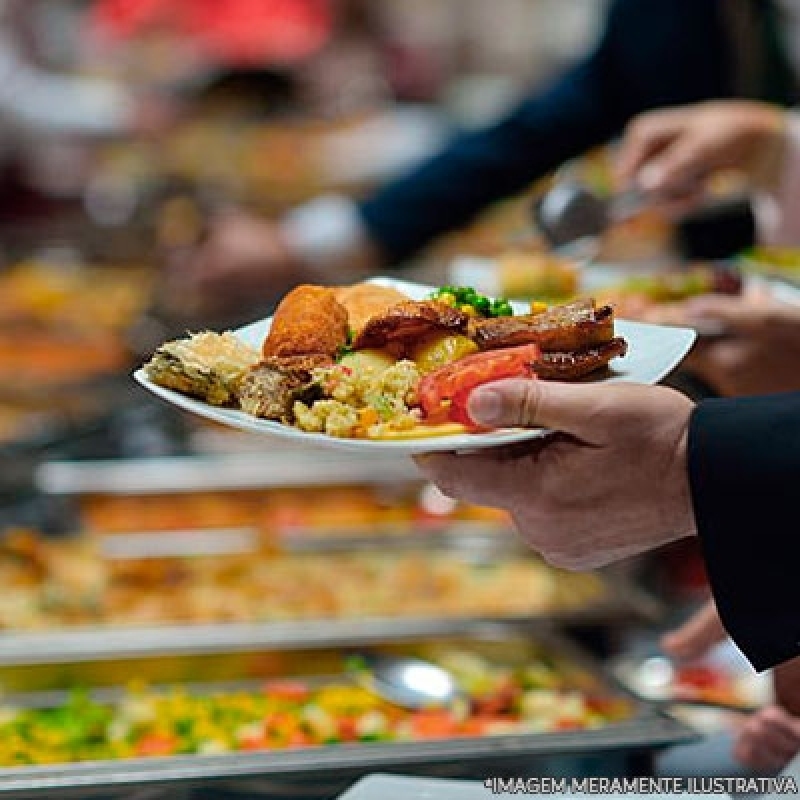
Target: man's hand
760, 352
611, 484
769, 739
667, 152
696, 636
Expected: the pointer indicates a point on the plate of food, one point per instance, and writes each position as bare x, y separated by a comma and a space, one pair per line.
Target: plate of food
723, 680
387, 365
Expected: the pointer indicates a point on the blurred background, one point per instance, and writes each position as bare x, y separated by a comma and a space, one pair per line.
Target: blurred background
125, 127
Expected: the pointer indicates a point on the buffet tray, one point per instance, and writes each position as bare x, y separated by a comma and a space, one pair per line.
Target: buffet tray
644, 730
618, 599
275, 467
110, 644
342, 765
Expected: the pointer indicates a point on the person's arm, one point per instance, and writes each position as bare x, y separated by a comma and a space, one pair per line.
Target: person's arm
636, 467
652, 53
744, 466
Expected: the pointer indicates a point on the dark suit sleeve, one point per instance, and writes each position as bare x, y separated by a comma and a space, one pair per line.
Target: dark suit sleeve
651, 53
744, 464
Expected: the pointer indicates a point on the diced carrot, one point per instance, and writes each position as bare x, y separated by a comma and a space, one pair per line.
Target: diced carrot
433, 724
156, 744
254, 743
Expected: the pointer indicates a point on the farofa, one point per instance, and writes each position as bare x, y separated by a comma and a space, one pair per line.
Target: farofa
362, 403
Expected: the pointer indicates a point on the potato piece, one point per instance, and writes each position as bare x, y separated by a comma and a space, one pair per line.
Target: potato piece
362, 361
440, 349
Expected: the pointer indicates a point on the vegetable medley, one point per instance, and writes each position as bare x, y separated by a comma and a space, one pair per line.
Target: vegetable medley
537, 697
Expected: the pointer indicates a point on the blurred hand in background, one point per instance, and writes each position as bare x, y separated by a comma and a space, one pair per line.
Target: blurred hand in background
672, 152
759, 349
695, 637
767, 739
245, 258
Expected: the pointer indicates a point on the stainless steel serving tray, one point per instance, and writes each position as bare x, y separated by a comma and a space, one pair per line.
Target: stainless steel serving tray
647, 729
620, 601
276, 466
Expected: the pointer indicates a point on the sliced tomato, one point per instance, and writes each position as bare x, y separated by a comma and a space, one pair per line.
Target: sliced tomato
699, 677
443, 393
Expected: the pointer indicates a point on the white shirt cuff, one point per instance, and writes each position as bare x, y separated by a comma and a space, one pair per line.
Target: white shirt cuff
327, 233
777, 211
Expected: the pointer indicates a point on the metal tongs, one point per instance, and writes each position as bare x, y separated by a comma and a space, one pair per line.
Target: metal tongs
572, 217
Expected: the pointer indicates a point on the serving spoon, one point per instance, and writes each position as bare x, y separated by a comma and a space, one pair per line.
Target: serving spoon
411, 683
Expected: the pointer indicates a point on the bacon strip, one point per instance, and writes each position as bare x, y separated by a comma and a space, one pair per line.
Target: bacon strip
567, 328
410, 321
570, 366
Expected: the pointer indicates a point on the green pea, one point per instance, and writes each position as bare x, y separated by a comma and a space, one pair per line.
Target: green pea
502, 308
483, 305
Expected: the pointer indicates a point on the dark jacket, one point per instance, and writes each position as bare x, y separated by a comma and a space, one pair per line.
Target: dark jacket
652, 53
744, 465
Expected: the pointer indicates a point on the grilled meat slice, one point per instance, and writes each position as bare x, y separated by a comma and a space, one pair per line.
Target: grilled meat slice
270, 389
570, 366
410, 321
206, 365
565, 328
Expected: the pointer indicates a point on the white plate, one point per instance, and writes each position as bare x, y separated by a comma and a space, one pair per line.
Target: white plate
653, 352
